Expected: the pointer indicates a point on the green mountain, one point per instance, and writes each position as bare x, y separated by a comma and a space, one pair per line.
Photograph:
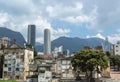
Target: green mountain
13, 35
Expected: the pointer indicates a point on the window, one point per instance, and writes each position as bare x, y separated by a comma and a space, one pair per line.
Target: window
5, 65
63, 62
9, 69
17, 69
47, 77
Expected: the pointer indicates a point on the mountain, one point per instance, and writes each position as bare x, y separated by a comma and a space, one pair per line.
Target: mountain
74, 44
5, 32
38, 44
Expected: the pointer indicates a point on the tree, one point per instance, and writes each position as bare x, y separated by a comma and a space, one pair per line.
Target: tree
88, 60
35, 52
115, 61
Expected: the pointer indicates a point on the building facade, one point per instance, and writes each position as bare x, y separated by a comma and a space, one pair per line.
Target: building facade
31, 34
47, 41
16, 60
4, 42
65, 69
116, 49
44, 73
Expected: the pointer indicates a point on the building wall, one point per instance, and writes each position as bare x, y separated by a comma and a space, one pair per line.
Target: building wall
29, 55
116, 48
31, 34
44, 74
16, 63
45, 77
13, 64
47, 42
62, 65
65, 68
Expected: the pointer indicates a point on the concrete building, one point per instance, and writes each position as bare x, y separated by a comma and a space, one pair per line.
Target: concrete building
47, 41
16, 60
116, 49
66, 53
65, 69
42, 69
57, 50
44, 73
31, 34
4, 42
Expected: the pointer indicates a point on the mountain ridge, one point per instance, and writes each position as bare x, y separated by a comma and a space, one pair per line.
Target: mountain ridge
13, 35
74, 43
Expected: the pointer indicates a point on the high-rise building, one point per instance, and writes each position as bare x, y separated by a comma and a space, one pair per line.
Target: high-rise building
31, 34
47, 42
106, 45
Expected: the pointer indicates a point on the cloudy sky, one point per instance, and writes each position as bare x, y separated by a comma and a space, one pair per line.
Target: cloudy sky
71, 18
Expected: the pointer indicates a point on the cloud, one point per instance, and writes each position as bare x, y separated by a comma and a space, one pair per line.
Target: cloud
61, 10
114, 38
3, 18
111, 38
60, 32
118, 30
96, 36
97, 14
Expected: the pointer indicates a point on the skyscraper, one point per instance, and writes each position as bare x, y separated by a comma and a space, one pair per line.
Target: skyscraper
106, 45
31, 34
47, 42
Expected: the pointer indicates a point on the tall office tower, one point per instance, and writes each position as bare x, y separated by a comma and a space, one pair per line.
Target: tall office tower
47, 42
106, 45
31, 34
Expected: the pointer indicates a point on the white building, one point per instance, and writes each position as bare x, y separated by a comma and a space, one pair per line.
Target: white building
116, 49
64, 68
47, 41
57, 50
44, 73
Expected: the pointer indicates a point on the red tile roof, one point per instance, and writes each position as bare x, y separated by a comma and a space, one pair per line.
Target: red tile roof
47, 56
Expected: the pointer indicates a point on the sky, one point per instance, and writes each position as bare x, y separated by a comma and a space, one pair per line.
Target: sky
70, 18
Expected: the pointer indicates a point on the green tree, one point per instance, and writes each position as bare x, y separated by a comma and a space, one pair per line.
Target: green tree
115, 61
88, 60
35, 52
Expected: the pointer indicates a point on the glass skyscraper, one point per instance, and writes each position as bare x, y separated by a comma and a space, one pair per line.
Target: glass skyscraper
31, 35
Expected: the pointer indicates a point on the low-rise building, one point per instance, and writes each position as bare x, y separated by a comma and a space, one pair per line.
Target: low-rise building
16, 62
64, 68
116, 49
44, 73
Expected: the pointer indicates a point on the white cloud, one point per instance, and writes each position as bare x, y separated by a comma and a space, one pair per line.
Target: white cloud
96, 36
118, 30
98, 15
78, 19
60, 32
3, 18
112, 38
60, 10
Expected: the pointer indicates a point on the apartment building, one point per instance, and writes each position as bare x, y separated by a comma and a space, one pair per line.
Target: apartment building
16, 62
44, 73
116, 49
64, 68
